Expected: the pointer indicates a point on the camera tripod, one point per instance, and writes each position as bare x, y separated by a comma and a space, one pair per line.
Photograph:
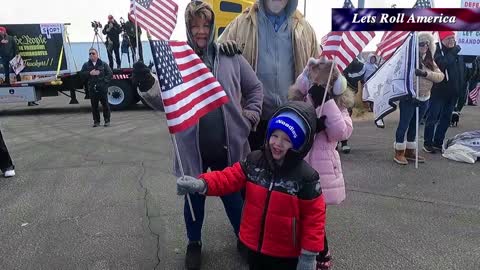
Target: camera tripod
96, 40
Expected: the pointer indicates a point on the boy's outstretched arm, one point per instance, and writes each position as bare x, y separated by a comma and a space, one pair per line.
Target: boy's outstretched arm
312, 216
229, 180
215, 183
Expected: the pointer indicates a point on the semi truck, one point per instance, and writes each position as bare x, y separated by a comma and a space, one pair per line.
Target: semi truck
50, 69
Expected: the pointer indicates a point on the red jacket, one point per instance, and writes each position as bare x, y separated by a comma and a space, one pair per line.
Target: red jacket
284, 209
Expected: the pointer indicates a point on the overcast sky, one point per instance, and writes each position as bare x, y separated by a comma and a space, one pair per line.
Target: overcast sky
81, 12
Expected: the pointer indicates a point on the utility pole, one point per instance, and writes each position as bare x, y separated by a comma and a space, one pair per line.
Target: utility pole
361, 3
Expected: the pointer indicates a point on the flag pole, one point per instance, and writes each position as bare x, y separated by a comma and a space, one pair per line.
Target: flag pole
175, 146
417, 110
180, 165
328, 84
137, 38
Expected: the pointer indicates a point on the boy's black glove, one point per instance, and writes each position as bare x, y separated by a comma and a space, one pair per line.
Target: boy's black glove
420, 73
321, 123
317, 92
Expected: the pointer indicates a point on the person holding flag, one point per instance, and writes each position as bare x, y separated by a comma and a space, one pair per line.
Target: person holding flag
334, 124
284, 215
428, 73
221, 137
444, 93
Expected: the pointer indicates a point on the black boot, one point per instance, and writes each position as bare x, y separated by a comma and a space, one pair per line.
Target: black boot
193, 258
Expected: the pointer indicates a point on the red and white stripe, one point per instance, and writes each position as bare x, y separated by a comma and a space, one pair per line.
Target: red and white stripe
474, 94
120, 76
160, 18
390, 42
345, 46
199, 94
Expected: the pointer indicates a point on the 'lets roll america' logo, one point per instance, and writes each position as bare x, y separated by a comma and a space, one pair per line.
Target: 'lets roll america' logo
413, 19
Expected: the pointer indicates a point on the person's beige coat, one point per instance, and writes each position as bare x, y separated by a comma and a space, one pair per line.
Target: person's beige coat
433, 76
243, 30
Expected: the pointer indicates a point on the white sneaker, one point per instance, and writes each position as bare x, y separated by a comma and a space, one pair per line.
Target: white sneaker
9, 173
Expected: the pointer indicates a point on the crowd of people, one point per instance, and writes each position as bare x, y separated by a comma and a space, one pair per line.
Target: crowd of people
276, 166
289, 168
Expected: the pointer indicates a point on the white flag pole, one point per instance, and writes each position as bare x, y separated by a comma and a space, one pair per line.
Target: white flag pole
417, 110
328, 84
177, 152
137, 38
180, 165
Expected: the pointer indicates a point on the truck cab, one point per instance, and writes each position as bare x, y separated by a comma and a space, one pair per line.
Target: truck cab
227, 10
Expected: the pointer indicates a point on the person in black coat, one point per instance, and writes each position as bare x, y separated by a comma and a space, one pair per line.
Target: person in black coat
132, 36
112, 29
446, 93
8, 50
98, 74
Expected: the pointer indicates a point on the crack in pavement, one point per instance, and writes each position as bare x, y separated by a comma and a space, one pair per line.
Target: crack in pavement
416, 199
157, 236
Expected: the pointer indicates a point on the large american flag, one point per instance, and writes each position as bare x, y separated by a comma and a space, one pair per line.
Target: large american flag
159, 17
188, 88
344, 46
391, 40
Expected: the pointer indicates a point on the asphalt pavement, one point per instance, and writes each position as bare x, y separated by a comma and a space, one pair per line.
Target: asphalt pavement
104, 198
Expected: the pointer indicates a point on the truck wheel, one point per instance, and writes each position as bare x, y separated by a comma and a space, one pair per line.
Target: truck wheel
120, 94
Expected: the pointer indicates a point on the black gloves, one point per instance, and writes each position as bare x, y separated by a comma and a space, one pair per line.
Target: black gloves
317, 92
321, 123
420, 73
229, 48
142, 77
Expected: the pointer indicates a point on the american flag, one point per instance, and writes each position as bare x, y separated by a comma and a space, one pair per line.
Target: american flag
344, 46
474, 94
159, 17
392, 40
188, 88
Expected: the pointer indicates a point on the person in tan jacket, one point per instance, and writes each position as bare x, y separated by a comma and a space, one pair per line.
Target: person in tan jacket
277, 41
428, 74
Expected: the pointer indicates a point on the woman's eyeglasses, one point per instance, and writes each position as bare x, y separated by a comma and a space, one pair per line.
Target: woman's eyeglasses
423, 44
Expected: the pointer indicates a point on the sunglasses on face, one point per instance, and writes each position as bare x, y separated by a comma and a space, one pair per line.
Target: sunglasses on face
423, 44
92, 53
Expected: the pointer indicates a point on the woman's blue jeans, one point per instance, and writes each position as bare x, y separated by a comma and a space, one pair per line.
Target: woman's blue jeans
407, 123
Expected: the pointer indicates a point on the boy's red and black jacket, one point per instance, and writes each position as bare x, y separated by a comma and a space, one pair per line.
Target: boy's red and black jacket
284, 209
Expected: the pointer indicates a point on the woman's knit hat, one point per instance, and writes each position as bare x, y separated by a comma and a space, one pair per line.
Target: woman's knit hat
292, 124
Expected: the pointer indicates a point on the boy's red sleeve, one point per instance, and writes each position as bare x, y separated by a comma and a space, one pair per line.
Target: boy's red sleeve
312, 216
220, 183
